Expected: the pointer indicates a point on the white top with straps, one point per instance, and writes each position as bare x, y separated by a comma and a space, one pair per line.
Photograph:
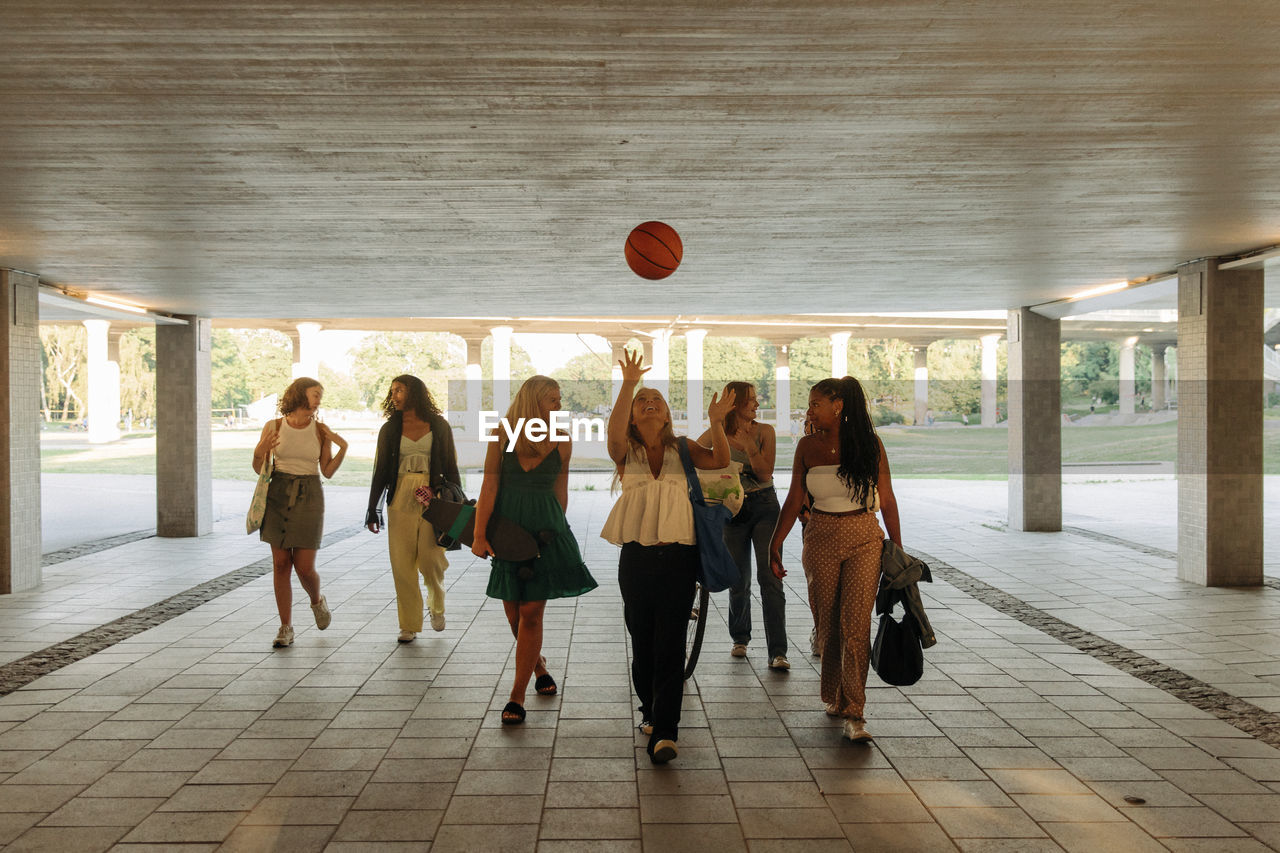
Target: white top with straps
830, 494
415, 456
651, 509
299, 450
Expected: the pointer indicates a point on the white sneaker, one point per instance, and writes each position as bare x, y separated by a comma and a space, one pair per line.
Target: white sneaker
284, 637
663, 751
832, 710
406, 637
780, 662
646, 727
321, 611
856, 731
437, 621
739, 650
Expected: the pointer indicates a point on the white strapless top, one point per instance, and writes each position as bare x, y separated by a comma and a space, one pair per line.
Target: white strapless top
830, 494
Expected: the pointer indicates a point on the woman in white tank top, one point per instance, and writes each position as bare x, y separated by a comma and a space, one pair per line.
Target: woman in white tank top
842, 467
294, 520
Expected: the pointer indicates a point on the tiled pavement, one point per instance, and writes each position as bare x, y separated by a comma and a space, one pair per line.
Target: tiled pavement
196, 735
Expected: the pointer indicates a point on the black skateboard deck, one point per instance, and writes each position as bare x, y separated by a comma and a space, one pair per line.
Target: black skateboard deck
457, 522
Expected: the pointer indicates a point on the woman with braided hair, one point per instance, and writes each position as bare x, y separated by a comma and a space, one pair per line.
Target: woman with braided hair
843, 469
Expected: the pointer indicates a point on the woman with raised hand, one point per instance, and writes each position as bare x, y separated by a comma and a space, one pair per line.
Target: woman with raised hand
527, 482
653, 524
293, 523
415, 448
843, 467
754, 445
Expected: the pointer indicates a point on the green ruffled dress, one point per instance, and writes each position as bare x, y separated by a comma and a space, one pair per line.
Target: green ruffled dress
528, 499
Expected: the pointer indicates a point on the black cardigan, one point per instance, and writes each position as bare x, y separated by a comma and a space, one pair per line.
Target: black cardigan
386, 462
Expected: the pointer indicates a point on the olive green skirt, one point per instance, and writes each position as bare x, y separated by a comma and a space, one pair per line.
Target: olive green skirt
295, 512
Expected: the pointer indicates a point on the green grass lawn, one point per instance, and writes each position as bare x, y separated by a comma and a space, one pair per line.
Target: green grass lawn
968, 453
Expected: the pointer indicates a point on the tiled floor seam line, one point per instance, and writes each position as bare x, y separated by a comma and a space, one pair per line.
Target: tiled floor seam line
84, 548
25, 670
1153, 551
1248, 718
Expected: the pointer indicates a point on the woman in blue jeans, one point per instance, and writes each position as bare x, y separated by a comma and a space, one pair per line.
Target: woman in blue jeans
754, 444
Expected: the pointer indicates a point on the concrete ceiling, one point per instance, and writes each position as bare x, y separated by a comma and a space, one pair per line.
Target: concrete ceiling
316, 159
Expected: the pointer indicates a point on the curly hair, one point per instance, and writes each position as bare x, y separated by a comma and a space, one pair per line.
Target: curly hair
859, 447
740, 390
295, 396
417, 398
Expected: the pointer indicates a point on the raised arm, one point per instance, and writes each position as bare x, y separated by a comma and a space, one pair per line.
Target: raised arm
718, 455
620, 417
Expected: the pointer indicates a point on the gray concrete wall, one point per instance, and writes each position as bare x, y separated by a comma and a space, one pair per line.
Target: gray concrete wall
1035, 422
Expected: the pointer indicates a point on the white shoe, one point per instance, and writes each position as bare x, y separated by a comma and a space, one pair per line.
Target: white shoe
780, 662
284, 637
437, 621
856, 731
321, 611
832, 710
646, 727
663, 751
739, 650
406, 637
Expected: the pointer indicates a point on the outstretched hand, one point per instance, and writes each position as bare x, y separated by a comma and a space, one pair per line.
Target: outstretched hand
632, 366
721, 406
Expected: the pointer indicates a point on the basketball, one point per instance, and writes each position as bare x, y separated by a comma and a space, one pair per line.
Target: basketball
653, 250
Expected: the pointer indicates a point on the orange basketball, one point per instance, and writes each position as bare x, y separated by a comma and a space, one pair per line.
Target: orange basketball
653, 250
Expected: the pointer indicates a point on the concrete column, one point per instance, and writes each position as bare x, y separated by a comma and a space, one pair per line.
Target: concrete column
1157, 377
104, 384
921, 355
782, 389
501, 368
1035, 422
660, 357
693, 381
1128, 375
1171, 374
840, 354
19, 432
306, 351
1219, 425
184, 444
989, 373
473, 377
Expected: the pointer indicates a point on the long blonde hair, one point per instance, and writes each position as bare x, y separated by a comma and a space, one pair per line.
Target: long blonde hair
525, 405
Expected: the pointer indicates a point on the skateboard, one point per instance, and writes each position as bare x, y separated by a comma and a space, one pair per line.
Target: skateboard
455, 522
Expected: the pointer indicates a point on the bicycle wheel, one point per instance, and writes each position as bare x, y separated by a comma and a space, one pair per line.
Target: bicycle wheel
698, 615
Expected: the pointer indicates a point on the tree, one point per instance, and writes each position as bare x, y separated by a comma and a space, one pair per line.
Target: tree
585, 383
247, 365
138, 372
955, 376
65, 358
341, 391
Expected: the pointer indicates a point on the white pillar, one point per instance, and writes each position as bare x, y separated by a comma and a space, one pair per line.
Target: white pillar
693, 381
306, 351
501, 368
840, 354
921, 376
1127, 375
782, 384
473, 376
1157, 377
989, 372
660, 348
104, 385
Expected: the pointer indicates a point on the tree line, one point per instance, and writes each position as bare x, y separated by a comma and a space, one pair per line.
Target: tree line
248, 364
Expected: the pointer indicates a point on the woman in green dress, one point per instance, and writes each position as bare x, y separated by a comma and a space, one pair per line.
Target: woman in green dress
527, 481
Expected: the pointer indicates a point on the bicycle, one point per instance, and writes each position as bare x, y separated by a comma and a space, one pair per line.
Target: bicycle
698, 613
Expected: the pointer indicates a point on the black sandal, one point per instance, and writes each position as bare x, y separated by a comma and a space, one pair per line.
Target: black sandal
513, 714
545, 685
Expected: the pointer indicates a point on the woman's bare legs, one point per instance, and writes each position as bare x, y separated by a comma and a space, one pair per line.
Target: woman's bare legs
525, 618
284, 562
